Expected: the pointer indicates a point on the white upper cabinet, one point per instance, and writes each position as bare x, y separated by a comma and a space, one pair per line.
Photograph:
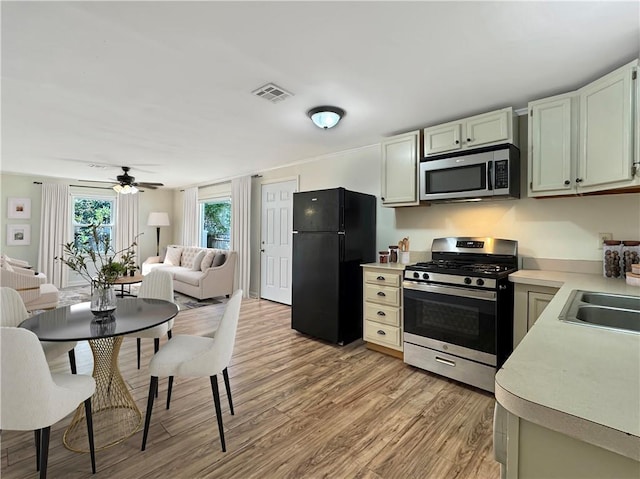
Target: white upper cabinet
553, 145
606, 128
480, 130
586, 141
400, 158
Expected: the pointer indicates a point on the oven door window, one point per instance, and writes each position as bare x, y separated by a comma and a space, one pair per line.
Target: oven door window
466, 322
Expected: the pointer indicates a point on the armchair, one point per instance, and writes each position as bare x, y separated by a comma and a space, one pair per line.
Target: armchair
32, 287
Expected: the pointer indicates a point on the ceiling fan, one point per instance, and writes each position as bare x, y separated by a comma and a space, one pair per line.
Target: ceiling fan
125, 183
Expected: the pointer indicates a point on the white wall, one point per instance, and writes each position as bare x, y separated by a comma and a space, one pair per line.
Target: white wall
557, 228
23, 186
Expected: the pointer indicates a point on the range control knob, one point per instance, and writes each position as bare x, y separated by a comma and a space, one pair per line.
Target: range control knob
480, 282
425, 276
467, 281
416, 275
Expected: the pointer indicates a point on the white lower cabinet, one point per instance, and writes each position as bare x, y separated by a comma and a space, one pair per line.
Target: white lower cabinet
534, 452
529, 303
382, 305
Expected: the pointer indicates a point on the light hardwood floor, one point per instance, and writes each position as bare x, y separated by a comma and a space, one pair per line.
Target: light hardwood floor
304, 409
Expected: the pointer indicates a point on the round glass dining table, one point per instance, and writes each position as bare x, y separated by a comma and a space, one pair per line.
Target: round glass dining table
115, 414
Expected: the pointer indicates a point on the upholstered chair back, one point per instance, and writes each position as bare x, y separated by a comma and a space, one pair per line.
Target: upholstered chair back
157, 285
12, 310
30, 397
225, 337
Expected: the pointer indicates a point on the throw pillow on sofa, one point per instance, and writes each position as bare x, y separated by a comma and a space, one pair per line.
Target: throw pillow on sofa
197, 261
207, 260
219, 260
173, 256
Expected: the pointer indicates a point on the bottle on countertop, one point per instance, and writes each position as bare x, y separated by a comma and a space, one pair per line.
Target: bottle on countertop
393, 254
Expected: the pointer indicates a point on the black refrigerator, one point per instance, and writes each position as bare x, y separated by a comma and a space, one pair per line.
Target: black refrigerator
334, 232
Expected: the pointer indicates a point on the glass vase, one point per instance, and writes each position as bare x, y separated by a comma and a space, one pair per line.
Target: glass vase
103, 301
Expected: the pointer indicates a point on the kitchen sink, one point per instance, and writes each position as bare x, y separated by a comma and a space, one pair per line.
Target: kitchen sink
610, 317
612, 300
611, 311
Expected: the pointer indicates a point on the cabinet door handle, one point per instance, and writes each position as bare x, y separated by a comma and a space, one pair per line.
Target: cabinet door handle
457, 142
578, 180
381, 313
380, 278
446, 361
381, 332
381, 293
469, 140
567, 182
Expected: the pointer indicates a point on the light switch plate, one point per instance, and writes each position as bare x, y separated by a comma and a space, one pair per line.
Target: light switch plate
602, 237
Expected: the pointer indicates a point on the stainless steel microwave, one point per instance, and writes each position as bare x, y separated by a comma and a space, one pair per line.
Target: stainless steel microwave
483, 173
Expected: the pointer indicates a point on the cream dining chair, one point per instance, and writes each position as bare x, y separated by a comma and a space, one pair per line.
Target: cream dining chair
156, 285
32, 398
13, 312
197, 356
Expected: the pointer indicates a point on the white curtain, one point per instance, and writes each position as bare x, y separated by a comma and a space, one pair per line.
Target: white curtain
240, 231
190, 233
127, 221
55, 223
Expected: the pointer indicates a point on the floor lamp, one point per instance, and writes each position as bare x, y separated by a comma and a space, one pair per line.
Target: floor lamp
158, 219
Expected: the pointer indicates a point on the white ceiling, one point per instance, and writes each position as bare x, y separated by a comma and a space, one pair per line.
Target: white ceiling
165, 87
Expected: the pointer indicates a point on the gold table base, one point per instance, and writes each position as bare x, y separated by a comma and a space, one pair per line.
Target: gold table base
116, 416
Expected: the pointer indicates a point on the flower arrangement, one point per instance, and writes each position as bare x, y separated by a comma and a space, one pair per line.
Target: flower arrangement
94, 252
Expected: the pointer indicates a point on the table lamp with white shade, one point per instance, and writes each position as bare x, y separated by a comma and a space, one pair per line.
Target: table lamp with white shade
158, 219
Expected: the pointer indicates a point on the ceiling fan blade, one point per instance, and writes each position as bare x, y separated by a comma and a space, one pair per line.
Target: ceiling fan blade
145, 184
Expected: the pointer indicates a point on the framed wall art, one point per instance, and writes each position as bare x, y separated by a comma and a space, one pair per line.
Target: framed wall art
19, 208
18, 235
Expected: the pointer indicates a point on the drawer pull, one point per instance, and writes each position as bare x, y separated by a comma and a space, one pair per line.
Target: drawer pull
381, 332
446, 361
381, 313
381, 293
380, 278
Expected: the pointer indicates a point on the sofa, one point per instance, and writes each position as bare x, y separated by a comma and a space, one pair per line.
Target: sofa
33, 288
202, 273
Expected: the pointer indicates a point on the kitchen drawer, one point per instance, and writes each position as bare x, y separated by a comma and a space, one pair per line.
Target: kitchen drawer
382, 314
453, 367
382, 334
384, 279
382, 295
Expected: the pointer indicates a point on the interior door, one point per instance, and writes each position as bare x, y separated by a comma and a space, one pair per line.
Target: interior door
276, 239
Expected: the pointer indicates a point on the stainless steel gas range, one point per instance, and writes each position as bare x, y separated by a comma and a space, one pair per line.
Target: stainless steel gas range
458, 309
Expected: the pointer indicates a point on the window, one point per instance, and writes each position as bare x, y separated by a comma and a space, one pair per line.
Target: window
93, 210
215, 221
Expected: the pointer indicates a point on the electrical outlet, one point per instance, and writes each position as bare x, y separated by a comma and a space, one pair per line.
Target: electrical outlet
602, 237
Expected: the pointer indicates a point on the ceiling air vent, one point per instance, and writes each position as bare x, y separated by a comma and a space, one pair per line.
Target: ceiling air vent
272, 92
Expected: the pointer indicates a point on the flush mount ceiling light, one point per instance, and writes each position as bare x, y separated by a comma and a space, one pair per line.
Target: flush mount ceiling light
326, 116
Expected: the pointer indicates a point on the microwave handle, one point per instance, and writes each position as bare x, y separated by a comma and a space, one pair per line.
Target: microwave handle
490, 175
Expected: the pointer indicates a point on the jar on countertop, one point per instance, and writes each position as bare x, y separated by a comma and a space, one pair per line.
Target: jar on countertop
611, 265
393, 254
630, 254
383, 256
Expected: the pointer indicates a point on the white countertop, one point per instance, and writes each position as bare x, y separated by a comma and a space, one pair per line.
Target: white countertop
393, 266
579, 380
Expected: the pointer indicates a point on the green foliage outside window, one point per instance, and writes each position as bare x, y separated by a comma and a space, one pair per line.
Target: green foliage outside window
217, 224
92, 211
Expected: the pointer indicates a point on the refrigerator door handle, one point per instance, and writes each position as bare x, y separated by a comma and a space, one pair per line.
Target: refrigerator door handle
341, 246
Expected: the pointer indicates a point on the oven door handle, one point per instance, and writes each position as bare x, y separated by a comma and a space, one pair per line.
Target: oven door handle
462, 292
